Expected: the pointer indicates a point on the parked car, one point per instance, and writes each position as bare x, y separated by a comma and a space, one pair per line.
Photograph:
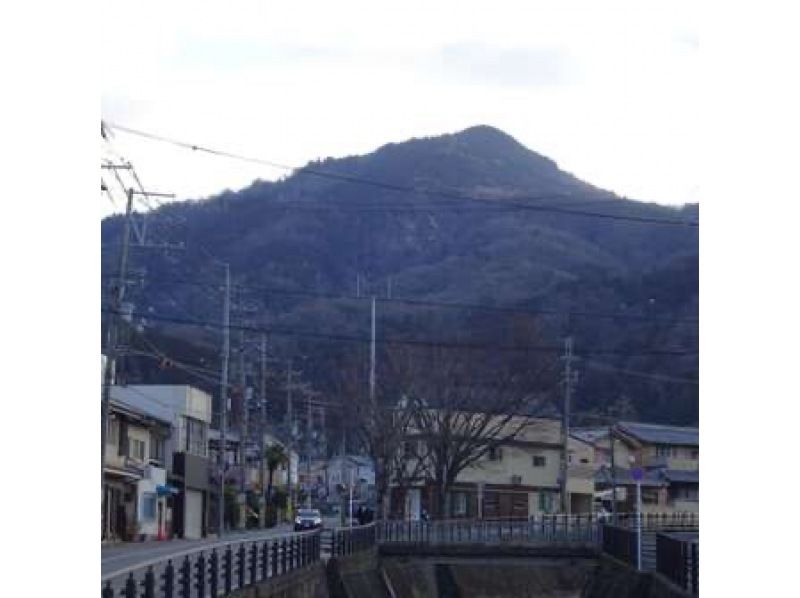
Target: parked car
307, 519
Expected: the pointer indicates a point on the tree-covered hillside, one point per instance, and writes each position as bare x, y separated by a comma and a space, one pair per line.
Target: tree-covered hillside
475, 233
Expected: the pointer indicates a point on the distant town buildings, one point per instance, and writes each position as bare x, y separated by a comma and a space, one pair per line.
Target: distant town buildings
161, 476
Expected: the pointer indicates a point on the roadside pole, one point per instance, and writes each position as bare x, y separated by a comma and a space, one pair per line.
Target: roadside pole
636, 474
350, 501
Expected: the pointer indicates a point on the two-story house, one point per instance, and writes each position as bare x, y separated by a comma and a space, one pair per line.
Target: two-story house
667, 455
188, 410
670, 454
137, 501
516, 479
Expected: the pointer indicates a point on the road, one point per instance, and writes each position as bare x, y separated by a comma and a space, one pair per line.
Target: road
116, 557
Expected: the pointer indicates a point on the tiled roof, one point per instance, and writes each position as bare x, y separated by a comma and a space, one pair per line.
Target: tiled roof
590, 435
658, 434
677, 475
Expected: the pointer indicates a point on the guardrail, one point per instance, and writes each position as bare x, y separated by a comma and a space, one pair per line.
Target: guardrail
215, 570
348, 540
679, 561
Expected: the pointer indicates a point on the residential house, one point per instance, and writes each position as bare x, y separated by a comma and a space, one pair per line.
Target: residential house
671, 454
517, 479
137, 501
188, 411
668, 457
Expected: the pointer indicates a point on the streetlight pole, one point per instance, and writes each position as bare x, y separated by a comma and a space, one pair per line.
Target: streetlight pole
223, 396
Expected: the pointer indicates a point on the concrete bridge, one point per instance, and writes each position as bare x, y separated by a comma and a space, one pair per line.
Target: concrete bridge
545, 556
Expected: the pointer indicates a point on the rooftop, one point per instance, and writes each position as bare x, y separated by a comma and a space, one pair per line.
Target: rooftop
660, 434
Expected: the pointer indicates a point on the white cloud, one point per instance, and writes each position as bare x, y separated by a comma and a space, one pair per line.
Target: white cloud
607, 91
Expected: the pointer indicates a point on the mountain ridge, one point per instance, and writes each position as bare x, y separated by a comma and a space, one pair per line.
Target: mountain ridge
310, 233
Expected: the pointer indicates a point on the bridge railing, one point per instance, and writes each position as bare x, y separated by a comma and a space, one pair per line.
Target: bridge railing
543, 528
216, 569
349, 540
658, 521
679, 561
620, 542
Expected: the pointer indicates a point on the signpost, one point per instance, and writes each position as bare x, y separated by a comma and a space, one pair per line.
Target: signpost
637, 474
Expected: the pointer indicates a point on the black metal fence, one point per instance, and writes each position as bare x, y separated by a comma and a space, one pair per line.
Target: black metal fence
678, 560
348, 540
215, 570
621, 543
544, 528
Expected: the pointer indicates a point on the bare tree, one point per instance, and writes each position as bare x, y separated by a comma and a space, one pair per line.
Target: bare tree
381, 422
470, 401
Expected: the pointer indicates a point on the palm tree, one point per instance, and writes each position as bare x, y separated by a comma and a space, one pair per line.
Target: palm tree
274, 455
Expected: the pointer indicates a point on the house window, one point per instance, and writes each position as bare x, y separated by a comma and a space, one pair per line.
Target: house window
113, 432
136, 449
459, 503
156, 448
545, 502
663, 450
495, 454
650, 496
408, 449
516, 480
539, 461
148, 506
195, 437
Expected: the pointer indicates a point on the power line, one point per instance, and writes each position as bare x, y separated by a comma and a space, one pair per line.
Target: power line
424, 303
402, 188
659, 377
442, 344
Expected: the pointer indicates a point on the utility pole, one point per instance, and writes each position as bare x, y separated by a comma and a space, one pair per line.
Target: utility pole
263, 427
117, 295
244, 422
613, 476
223, 396
567, 357
291, 431
309, 428
372, 359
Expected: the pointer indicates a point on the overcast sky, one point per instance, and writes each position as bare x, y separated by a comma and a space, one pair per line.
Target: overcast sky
606, 89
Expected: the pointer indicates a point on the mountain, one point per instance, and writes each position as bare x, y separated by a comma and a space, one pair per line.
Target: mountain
487, 226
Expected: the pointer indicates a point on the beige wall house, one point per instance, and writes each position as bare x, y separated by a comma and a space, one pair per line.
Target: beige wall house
667, 455
518, 479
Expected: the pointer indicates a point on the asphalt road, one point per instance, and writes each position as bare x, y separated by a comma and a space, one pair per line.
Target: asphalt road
116, 557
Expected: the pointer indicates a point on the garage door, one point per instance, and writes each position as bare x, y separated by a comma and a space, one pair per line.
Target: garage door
193, 516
